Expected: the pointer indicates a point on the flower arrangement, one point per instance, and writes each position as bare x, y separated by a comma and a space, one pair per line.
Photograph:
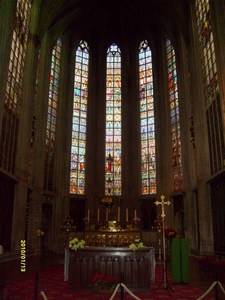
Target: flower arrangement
104, 282
136, 245
76, 244
40, 232
170, 233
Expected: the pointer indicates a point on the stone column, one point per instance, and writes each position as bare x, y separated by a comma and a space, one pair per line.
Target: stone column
39, 144
24, 132
202, 163
63, 142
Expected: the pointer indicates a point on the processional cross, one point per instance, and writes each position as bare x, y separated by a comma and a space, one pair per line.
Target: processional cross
162, 203
166, 285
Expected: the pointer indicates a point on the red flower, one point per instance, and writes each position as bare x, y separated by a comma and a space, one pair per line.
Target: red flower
169, 232
105, 282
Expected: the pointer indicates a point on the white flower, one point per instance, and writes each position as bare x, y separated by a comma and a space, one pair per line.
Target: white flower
136, 244
76, 244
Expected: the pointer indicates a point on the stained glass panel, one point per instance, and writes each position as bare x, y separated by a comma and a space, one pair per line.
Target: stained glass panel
211, 85
79, 121
146, 98
13, 95
174, 117
51, 115
113, 153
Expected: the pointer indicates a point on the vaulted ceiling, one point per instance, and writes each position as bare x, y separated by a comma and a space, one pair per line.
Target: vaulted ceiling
114, 18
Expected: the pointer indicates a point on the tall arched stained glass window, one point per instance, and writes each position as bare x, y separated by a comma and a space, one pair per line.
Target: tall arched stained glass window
51, 116
146, 98
79, 122
13, 95
174, 117
113, 122
211, 86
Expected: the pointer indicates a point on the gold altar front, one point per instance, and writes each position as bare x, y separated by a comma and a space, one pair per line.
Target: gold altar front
108, 238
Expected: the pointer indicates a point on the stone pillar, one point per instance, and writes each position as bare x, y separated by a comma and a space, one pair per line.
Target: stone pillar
39, 144
63, 142
202, 167
24, 132
162, 126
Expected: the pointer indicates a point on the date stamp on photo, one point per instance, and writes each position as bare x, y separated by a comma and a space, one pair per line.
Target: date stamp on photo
23, 256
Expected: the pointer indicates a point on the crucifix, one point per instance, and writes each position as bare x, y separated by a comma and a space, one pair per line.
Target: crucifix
163, 236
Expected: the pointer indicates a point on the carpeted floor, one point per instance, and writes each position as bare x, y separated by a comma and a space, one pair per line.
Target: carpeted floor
55, 288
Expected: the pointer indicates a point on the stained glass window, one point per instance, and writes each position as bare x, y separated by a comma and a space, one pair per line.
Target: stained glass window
146, 98
51, 115
13, 96
79, 122
174, 117
113, 122
211, 86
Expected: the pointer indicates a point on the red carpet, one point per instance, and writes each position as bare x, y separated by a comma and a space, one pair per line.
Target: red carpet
55, 288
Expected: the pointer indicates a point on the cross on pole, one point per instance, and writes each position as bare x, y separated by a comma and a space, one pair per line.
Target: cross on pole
162, 203
166, 285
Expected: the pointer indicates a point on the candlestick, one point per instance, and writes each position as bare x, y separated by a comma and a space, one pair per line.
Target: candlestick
98, 215
135, 214
126, 214
88, 214
118, 214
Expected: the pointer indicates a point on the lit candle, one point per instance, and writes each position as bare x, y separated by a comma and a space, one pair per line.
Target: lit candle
98, 215
126, 214
88, 214
106, 214
118, 214
135, 214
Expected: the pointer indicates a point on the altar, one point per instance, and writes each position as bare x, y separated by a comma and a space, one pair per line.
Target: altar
137, 267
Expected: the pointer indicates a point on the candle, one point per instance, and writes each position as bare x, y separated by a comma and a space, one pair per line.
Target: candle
88, 214
118, 214
135, 214
106, 214
98, 215
126, 214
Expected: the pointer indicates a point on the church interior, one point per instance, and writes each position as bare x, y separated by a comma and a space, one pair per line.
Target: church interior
93, 93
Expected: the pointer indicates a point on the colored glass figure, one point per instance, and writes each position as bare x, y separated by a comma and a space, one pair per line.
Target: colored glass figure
14, 85
174, 117
146, 100
211, 85
52, 115
79, 120
113, 122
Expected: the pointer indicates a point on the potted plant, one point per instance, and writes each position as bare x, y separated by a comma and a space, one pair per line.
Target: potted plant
105, 283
